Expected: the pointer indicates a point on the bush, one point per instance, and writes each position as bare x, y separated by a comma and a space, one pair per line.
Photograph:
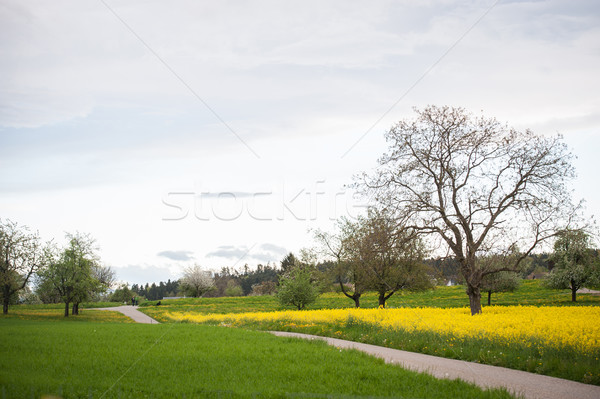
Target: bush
297, 289
233, 289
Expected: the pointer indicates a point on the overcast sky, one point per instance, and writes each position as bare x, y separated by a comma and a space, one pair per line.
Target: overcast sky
219, 132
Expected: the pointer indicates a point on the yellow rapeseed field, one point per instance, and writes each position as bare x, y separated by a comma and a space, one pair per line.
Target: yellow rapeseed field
577, 327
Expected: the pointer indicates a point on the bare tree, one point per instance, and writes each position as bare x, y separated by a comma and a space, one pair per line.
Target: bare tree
479, 186
196, 282
391, 255
20, 257
349, 270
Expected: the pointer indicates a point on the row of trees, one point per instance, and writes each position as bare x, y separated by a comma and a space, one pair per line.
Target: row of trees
473, 189
70, 274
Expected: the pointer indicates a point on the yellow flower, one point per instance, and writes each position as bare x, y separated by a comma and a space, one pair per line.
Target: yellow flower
552, 325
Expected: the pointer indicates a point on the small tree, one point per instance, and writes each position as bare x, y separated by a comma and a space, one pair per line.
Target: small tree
69, 272
574, 262
122, 294
391, 255
20, 258
297, 289
499, 282
504, 281
196, 282
349, 271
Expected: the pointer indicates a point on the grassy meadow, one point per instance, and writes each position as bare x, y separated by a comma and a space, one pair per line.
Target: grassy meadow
113, 360
196, 353
558, 357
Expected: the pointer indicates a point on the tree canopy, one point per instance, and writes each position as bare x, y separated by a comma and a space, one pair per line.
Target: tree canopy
575, 263
73, 272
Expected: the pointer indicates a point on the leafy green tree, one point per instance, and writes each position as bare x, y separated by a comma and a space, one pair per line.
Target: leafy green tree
122, 294
499, 282
297, 288
21, 256
69, 272
504, 281
574, 262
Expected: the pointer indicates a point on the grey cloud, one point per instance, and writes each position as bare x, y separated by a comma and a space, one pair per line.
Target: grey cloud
274, 248
177, 255
228, 252
268, 253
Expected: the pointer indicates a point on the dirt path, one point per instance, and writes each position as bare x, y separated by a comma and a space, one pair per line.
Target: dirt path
529, 385
132, 312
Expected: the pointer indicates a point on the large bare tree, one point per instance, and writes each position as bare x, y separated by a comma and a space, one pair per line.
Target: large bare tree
477, 185
20, 257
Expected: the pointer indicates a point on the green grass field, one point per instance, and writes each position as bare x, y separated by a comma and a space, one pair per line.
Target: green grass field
101, 354
109, 360
564, 363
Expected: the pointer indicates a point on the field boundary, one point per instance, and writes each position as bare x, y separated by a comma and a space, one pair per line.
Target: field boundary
528, 385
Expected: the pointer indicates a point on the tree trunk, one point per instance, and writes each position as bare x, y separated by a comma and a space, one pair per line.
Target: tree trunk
382, 299
474, 299
489, 298
355, 296
66, 309
75, 309
6, 299
574, 294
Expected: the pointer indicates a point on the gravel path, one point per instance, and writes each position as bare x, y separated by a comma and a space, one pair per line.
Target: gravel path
132, 312
529, 385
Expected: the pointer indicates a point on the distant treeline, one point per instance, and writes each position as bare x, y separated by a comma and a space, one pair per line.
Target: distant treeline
264, 279
228, 282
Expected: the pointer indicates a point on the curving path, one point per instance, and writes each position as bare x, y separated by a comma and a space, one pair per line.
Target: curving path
529, 385
133, 313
